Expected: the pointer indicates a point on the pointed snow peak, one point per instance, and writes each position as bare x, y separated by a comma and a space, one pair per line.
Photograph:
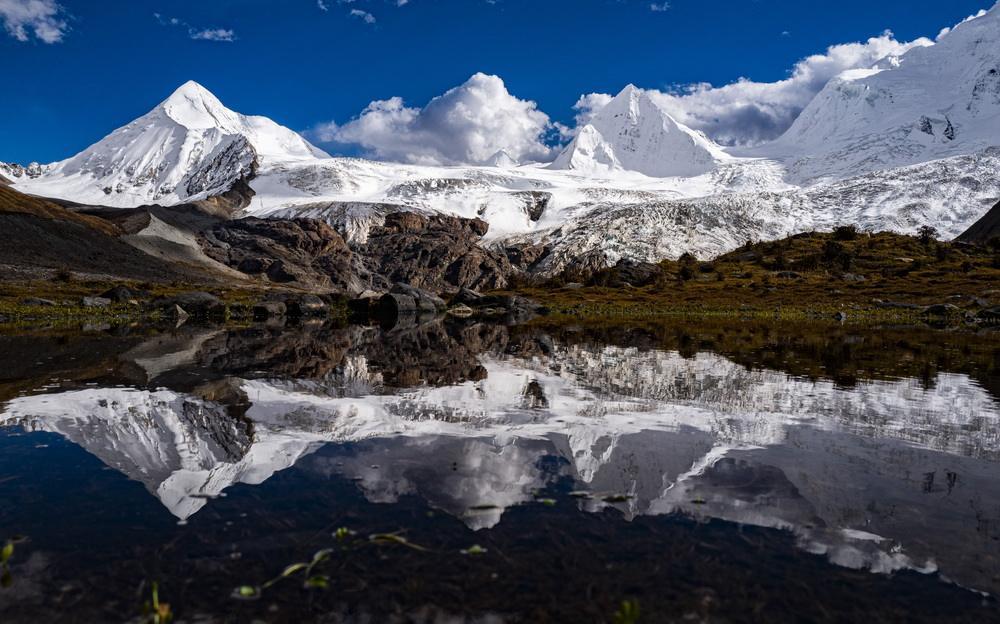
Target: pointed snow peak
633, 133
501, 159
625, 103
195, 107
630, 91
191, 89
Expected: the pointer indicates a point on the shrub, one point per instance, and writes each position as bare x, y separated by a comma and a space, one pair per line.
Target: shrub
832, 250
845, 233
927, 234
685, 273
687, 258
838, 255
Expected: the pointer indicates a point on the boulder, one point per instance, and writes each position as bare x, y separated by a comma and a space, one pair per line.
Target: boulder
121, 294
35, 301
941, 309
364, 305
394, 305
178, 313
461, 311
467, 296
306, 305
197, 304
269, 309
788, 275
95, 302
989, 315
426, 301
405, 300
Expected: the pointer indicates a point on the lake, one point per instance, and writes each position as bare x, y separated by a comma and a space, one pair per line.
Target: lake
704, 471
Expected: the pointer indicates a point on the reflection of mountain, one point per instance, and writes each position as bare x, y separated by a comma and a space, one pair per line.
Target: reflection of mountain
884, 474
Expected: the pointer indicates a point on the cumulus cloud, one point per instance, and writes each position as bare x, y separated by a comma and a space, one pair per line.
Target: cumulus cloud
747, 112
467, 124
588, 105
41, 18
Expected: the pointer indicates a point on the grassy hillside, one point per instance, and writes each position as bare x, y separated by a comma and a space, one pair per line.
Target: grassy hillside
811, 272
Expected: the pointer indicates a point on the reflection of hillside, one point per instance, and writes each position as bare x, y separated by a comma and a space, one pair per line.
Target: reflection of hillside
845, 355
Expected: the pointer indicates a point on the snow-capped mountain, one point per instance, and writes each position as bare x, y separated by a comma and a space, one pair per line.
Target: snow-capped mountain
632, 133
189, 147
914, 141
932, 102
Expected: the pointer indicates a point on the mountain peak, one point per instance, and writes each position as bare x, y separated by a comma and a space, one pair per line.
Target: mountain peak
501, 159
630, 91
189, 146
632, 133
195, 107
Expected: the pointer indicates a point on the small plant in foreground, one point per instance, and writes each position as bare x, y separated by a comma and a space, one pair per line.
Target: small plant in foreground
627, 613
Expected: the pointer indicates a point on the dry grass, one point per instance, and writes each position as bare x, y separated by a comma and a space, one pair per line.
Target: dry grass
13, 202
805, 275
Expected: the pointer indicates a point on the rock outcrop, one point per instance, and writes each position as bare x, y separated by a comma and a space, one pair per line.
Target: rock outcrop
437, 253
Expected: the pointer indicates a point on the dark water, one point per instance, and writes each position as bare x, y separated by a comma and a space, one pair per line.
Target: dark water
480, 473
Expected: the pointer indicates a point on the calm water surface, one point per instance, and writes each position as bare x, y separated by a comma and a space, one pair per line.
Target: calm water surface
482, 473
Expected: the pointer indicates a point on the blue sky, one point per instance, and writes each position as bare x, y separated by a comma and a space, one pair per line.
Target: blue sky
110, 61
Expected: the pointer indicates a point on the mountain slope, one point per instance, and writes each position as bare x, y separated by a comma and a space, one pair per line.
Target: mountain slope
632, 133
41, 238
933, 102
985, 229
189, 147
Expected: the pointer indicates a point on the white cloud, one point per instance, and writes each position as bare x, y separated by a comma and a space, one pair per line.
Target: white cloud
747, 112
659, 7
322, 5
364, 15
41, 18
588, 105
201, 34
213, 34
467, 124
